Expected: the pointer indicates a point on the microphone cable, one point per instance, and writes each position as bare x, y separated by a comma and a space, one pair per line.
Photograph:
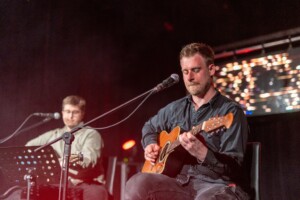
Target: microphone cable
19, 130
121, 121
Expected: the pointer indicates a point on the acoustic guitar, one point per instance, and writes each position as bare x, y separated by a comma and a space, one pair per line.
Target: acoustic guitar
169, 161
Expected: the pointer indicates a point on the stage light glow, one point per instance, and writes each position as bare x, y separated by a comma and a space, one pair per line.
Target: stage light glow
128, 144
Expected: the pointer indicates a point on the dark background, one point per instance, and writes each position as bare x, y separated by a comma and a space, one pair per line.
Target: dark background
110, 51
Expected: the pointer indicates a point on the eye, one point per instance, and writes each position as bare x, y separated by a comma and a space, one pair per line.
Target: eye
185, 71
67, 111
196, 70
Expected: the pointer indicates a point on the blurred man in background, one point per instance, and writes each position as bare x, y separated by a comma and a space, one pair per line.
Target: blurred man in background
86, 171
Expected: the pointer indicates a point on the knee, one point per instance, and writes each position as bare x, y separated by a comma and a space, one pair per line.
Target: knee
94, 192
137, 186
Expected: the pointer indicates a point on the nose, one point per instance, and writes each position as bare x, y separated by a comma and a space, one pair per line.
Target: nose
190, 76
70, 115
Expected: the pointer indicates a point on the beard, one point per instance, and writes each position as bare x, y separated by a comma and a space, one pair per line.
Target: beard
197, 89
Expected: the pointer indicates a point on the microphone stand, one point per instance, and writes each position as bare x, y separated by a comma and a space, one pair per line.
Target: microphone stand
68, 138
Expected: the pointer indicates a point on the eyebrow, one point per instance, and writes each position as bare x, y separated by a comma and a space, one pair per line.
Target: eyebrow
193, 68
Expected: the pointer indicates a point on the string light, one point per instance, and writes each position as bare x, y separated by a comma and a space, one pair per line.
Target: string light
263, 84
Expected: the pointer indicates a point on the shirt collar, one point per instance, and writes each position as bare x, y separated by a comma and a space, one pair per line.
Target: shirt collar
211, 102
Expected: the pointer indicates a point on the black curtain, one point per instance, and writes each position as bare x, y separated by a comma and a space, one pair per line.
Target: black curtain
102, 51
280, 138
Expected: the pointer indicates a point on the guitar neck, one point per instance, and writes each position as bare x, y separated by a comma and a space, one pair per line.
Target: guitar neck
195, 130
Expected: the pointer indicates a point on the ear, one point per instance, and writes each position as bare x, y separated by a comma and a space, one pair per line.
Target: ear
212, 69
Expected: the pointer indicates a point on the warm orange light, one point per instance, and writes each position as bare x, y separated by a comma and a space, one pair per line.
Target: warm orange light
129, 144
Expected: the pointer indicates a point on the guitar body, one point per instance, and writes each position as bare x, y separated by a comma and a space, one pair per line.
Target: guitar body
170, 163
172, 154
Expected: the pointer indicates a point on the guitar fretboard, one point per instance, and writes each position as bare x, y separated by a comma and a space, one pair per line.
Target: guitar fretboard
195, 130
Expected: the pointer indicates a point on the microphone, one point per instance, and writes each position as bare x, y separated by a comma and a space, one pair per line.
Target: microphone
173, 79
55, 115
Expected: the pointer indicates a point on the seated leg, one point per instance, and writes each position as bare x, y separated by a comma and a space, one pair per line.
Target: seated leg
146, 186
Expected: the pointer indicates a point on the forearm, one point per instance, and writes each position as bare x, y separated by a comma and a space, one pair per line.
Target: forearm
150, 132
222, 164
228, 157
42, 139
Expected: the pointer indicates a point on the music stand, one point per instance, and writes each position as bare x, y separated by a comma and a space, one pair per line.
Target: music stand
17, 162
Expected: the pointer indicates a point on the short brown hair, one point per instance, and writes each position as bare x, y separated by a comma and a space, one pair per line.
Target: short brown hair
203, 49
75, 101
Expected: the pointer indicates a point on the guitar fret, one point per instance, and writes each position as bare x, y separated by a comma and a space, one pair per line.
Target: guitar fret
196, 129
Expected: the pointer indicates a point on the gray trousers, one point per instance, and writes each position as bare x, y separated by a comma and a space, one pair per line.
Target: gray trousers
146, 186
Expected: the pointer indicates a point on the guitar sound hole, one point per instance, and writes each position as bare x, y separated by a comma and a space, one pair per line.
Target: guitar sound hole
164, 152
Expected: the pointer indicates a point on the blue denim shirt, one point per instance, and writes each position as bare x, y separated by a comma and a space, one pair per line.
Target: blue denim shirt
225, 148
